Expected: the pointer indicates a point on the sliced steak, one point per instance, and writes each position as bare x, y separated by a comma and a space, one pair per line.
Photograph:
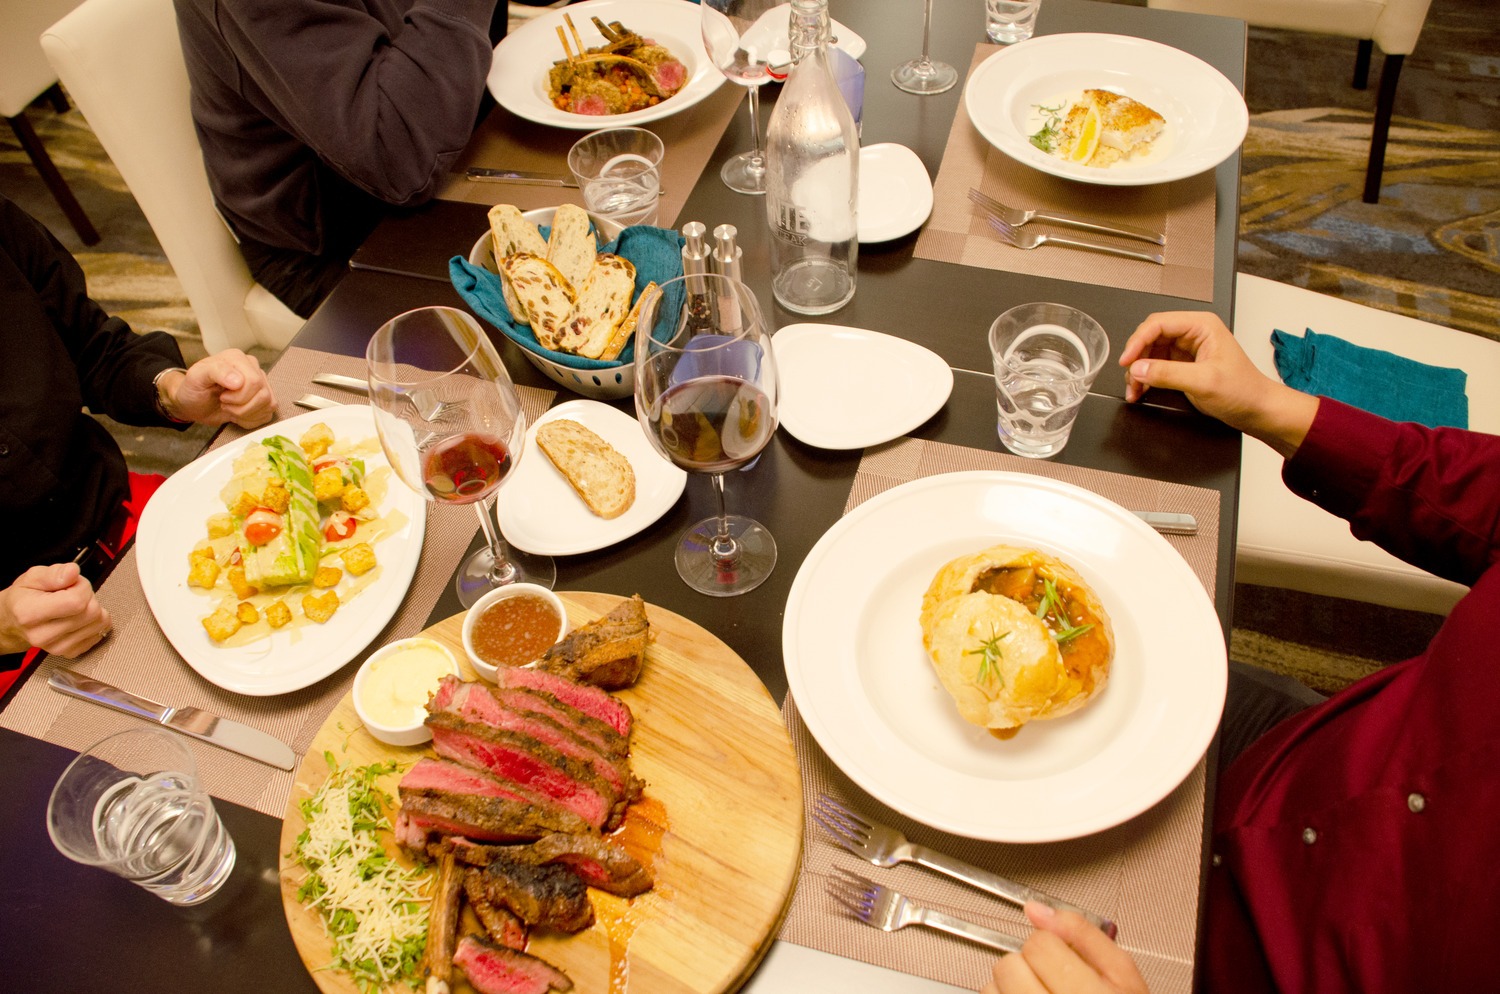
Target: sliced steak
549, 896
504, 928
598, 861
607, 652
493, 969
449, 799
525, 762
591, 701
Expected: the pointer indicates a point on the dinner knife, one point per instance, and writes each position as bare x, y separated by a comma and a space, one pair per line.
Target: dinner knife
343, 382
198, 724
313, 402
1169, 523
482, 175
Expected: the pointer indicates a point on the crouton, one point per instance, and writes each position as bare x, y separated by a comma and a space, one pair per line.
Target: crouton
220, 525
359, 558
243, 589
203, 550
327, 576
277, 497
355, 499
278, 614
221, 624
316, 440
328, 483
320, 607
204, 573
246, 613
244, 504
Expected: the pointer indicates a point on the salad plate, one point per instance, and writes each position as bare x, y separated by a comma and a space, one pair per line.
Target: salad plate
300, 654
895, 192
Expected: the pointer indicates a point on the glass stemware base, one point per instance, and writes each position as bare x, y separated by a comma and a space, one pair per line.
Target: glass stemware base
478, 575
924, 76
722, 562
745, 173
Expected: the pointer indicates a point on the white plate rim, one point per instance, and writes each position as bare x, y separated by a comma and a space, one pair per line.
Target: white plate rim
997, 83
905, 166
517, 75
882, 417
171, 523
540, 512
941, 516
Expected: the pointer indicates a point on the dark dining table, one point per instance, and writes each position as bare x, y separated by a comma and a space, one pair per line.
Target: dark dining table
70, 928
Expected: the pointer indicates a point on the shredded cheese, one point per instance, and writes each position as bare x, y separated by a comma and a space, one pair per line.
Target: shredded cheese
374, 910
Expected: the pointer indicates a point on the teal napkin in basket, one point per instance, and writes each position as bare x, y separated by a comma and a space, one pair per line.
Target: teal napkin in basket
1392, 386
656, 254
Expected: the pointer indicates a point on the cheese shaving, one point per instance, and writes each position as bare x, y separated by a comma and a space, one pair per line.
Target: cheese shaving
374, 910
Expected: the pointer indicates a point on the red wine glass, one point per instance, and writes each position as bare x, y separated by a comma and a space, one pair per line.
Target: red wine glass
452, 428
705, 392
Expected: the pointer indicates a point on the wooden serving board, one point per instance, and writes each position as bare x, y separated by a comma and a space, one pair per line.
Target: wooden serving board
720, 821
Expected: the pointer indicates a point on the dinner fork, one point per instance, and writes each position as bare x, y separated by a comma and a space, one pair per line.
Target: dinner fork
425, 401
885, 847
1026, 238
1017, 216
888, 910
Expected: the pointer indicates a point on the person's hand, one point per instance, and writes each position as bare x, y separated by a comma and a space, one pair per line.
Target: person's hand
1194, 352
226, 386
1065, 955
52, 608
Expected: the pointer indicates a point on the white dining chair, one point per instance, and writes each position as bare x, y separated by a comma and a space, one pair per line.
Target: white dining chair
121, 61
26, 75
1391, 24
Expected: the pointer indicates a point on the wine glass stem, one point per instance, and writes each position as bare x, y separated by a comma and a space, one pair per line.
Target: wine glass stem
926, 30
757, 155
503, 571
726, 551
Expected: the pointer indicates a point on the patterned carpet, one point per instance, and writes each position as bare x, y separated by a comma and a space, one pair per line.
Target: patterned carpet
1429, 249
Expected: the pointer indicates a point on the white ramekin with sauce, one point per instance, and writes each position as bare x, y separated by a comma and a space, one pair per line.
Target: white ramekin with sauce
512, 626
392, 687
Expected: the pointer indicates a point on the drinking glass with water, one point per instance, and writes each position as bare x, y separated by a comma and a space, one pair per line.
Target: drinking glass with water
132, 804
619, 173
1046, 357
1009, 21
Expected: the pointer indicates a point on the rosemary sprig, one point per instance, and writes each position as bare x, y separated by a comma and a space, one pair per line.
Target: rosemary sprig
1051, 129
989, 649
1068, 634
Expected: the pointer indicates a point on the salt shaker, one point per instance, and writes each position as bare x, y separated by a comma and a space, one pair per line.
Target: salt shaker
727, 255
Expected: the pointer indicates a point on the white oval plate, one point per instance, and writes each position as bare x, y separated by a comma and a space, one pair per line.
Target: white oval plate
518, 75
895, 192
1205, 114
867, 691
297, 656
539, 510
849, 388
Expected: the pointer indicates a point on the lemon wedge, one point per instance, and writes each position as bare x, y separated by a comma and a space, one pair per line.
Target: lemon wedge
1088, 138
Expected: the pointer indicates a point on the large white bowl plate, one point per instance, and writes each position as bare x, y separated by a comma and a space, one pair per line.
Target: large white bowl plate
518, 75
299, 655
1205, 114
866, 690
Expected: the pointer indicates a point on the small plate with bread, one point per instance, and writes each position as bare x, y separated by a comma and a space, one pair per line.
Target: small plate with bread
590, 479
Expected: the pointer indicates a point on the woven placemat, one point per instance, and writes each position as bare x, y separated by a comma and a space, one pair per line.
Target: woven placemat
957, 232
1142, 874
137, 656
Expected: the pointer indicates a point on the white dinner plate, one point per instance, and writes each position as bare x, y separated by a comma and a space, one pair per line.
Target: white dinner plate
1205, 114
867, 692
895, 192
849, 388
300, 655
540, 511
518, 75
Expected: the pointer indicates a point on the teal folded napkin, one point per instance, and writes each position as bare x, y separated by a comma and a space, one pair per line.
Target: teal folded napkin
1391, 386
656, 254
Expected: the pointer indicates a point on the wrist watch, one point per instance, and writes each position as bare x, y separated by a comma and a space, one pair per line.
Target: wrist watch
161, 401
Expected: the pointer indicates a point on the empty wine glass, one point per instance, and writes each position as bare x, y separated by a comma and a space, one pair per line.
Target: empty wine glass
705, 392
438, 360
924, 75
744, 39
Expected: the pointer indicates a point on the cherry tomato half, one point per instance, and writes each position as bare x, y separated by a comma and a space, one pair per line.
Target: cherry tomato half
262, 525
341, 525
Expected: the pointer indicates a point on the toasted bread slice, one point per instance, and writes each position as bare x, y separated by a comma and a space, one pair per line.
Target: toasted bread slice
510, 233
571, 247
545, 293
601, 475
625, 331
603, 301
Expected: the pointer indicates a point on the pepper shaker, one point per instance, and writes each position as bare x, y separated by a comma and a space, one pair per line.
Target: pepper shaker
727, 255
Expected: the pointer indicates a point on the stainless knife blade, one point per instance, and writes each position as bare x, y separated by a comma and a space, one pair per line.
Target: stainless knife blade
1169, 523
313, 402
482, 175
354, 383
202, 725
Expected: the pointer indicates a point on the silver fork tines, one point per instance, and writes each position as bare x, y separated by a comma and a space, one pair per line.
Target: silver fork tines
1017, 216
1026, 238
885, 847
888, 911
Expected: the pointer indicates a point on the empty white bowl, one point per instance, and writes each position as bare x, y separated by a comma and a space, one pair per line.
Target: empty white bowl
392, 687
486, 669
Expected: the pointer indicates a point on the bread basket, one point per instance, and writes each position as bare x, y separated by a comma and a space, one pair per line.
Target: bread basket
610, 383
